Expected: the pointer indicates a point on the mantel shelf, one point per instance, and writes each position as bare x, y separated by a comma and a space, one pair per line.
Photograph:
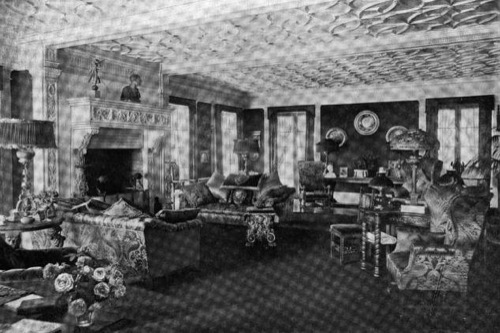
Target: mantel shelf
106, 113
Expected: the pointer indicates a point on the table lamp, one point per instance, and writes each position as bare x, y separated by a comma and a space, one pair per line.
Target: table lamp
25, 136
327, 146
381, 183
413, 140
244, 147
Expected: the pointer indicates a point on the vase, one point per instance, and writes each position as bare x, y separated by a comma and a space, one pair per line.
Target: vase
86, 319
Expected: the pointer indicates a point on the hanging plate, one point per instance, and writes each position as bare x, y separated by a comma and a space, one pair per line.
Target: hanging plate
394, 131
336, 134
366, 122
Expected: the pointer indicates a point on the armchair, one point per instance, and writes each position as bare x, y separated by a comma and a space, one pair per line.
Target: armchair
312, 183
439, 258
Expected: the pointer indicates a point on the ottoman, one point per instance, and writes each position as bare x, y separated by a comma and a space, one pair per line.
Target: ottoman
345, 242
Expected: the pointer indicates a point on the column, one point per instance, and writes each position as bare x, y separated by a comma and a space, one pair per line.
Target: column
51, 156
317, 130
7, 202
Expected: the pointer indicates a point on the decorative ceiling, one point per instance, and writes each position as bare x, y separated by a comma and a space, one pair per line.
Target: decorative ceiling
421, 64
316, 27
333, 26
324, 44
33, 16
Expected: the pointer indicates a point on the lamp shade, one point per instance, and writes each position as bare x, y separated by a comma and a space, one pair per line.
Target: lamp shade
20, 133
327, 145
380, 181
244, 146
413, 139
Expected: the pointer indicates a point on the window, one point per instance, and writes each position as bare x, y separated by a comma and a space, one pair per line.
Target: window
229, 130
458, 133
180, 139
290, 146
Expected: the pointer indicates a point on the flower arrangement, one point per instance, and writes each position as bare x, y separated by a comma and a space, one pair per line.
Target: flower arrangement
86, 285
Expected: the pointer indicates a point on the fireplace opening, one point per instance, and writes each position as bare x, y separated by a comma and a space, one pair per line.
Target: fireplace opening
111, 171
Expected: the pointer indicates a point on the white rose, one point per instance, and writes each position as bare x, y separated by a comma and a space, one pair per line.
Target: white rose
120, 291
87, 269
99, 274
63, 282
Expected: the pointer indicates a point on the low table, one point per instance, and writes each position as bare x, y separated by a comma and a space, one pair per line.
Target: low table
346, 242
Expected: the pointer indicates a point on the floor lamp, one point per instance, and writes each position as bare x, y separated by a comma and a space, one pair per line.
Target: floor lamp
25, 136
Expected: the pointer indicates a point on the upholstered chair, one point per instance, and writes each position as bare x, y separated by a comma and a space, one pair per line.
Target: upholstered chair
439, 258
312, 182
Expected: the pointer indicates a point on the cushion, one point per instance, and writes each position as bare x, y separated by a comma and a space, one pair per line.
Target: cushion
214, 184
230, 180
123, 208
177, 216
272, 196
269, 181
197, 195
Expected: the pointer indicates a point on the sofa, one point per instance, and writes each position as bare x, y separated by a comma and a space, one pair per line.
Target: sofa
253, 201
142, 246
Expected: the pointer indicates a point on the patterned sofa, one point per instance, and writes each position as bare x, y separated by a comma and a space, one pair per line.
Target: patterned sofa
142, 247
255, 203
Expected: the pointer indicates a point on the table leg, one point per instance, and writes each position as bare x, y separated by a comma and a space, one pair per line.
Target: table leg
377, 246
259, 228
363, 244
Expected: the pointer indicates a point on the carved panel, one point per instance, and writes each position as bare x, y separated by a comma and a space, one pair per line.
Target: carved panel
129, 116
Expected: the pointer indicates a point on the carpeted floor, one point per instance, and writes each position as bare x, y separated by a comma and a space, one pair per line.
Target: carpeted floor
298, 288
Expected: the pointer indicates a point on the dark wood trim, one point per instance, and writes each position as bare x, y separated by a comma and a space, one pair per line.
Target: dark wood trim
309, 109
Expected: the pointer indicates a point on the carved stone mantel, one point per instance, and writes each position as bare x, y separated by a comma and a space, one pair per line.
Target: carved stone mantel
98, 112
90, 116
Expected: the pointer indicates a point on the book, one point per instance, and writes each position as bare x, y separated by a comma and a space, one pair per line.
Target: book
8, 294
15, 304
34, 326
420, 209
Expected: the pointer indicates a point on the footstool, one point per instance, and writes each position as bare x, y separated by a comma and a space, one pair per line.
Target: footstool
345, 242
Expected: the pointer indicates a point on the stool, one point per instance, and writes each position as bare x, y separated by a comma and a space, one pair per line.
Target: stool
345, 242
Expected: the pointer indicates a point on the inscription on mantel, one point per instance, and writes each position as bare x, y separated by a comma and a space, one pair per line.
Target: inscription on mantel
108, 114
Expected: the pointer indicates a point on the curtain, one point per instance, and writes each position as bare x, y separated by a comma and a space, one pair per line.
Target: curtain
180, 139
229, 129
291, 143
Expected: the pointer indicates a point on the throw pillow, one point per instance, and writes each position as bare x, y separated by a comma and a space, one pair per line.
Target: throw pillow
197, 195
177, 216
267, 182
230, 180
274, 196
214, 185
123, 208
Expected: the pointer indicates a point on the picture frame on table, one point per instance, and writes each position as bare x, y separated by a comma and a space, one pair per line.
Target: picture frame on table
343, 172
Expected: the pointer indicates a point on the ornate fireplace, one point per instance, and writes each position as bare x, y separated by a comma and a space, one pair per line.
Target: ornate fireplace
112, 141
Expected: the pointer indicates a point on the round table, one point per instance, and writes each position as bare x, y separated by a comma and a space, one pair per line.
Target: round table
11, 231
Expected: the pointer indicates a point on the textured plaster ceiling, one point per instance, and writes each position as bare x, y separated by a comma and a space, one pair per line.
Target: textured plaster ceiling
420, 64
276, 49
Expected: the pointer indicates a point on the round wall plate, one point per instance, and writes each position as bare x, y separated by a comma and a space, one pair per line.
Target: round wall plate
366, 122
337, 134
394, 131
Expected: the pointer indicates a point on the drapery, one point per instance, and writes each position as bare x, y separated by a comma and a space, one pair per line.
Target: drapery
180, 139
229, 131
290, 146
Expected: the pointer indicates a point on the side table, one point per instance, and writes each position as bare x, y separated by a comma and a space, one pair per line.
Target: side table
11, 231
